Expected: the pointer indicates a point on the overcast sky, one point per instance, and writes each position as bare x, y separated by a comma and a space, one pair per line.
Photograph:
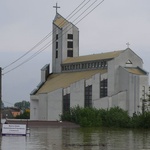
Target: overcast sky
108, 28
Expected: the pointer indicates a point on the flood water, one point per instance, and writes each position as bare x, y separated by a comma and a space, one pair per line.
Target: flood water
78, 139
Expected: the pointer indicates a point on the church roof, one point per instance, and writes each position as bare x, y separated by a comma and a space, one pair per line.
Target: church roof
63, 80
60, 21
101, 56
137, 71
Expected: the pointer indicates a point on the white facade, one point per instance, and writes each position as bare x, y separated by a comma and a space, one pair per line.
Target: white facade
61, 30
102, 81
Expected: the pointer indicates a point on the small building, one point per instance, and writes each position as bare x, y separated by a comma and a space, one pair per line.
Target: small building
10, 112
102, 80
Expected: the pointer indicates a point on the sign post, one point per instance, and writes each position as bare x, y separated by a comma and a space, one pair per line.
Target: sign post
14, 129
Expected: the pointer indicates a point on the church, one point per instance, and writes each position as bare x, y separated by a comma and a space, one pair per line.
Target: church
102, 80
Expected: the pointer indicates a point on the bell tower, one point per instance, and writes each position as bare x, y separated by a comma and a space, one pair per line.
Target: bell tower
65, 41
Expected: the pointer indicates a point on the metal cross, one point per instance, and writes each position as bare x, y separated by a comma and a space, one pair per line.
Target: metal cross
56, 7
128, 44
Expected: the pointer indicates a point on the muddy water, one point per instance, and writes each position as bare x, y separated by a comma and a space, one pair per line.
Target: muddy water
78, 139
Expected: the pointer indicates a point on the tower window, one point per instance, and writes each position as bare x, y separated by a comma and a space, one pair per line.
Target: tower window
56, 36
56, 45
70, 44
70, 53
56, 54
70, 36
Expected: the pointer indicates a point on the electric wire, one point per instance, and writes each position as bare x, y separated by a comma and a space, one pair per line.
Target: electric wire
90, 11
9, 103
86, 10
41, 41
49, 44
27, 51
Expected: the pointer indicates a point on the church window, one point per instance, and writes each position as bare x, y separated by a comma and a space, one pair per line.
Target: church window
82, 66
66, 103
70, 36
89, 65
103, 88
56, 54
70, 44
129, 63
93, 65
63, 68
56, 36
56, 45
70, 53
105, 63
73, 67
88, 96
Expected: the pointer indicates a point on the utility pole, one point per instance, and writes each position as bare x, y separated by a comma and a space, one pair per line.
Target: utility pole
0, 95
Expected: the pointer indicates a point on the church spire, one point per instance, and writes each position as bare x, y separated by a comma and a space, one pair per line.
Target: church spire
56, 7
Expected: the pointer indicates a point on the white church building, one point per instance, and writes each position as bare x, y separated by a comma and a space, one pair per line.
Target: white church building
103, 80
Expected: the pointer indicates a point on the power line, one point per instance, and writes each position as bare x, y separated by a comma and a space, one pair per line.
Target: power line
48, 44
28, 51
8, 103
90, 11
35, 54
41, 41
86, 10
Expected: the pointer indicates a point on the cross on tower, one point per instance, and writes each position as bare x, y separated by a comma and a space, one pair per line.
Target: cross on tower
128, 44
56, 7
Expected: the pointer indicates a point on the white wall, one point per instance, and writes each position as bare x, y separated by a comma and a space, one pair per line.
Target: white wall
56, 61
34, 108
96, 87
43, 106
55, 105
119, 100
113, 69
70, 29
102, 103
77, 94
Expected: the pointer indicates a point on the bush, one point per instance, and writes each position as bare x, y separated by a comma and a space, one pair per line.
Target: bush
85, 117
25, 115
113, 117
141, 120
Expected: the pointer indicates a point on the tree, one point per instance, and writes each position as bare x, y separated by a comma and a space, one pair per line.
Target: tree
24, 115
145, 101
22, 105
2, 104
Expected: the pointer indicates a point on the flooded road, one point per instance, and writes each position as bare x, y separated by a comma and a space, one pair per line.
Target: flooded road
51, 138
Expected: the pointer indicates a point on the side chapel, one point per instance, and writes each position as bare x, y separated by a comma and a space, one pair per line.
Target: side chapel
103, 80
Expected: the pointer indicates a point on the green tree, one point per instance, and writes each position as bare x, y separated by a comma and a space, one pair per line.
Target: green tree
145, 101
2, 104
22, 105
24, 115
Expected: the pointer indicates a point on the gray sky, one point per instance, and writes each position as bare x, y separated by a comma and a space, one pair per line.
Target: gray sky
108, 28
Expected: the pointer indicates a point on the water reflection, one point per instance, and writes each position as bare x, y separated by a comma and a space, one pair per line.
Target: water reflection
79, 139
